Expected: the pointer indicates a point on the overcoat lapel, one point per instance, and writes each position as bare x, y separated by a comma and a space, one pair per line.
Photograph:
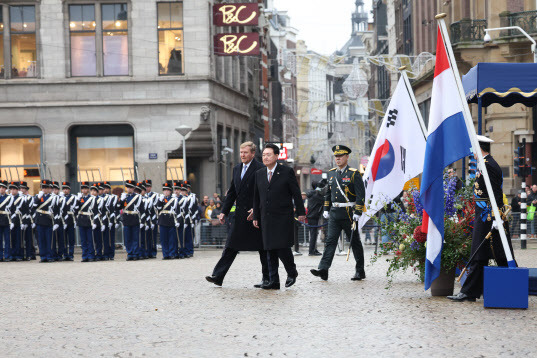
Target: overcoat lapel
275, 176
249, 172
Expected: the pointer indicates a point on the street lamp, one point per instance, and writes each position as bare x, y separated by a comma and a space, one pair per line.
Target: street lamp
184, 130
487, 37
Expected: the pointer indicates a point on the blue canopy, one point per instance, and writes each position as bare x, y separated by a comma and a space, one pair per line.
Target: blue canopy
503, 83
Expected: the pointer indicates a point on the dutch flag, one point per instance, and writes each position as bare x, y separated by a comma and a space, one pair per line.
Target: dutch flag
447, 142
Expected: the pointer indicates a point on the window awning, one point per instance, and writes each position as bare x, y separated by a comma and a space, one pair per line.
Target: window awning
503, 83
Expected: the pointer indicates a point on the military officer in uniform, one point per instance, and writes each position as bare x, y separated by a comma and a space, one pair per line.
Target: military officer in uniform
5, 222
132, 205
152, 233
27, 223
112, 213
44, 219
484, 223
178, 242
344, 203
165, 206
85, 210
17, 208
69, 223
57, 229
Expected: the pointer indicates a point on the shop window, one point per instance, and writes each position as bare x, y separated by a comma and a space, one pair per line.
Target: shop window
174, 169
23, 41
82, 27
19, 158
170, 38
108, 158
1, 42
115, 39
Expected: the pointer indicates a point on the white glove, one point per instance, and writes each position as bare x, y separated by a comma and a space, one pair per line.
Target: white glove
496, 224
65, 226
79, 195
147, 227
93, 226
40, 195
161, 197
123, 196
356, 217
62, 194
110, 225
326, 214
174, 195
117, 225
24, 226
55, 227
152, 226
177, 224
33, 225
142, 226
103, 227
11, 226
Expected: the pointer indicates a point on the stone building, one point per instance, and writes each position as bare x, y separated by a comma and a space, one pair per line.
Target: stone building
95, 88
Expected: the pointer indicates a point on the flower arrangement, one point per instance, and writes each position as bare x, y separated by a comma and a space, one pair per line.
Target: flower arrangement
407, 246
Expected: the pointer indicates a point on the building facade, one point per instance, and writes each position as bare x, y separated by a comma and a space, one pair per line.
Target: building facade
96, 88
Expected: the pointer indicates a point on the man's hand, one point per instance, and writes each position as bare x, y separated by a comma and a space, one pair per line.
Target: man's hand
256, 224
222, 218
161, 197
326, 215
103, 227
123, 196
302, 218
93, 226
79, 195
250, 215
11, 226
55, 227
40, 194
496, 224
356, 217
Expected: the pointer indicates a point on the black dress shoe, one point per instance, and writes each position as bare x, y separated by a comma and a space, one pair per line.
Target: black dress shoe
323, 274
461, 297
259, 285
85, 260
215, 280
68, 259
290, 281
358, 276
317, 253
43, 260
275, 285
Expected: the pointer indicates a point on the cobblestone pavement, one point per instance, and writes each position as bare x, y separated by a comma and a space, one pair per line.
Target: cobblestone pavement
167, 309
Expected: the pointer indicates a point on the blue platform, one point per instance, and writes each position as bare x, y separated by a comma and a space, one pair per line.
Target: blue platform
506, 287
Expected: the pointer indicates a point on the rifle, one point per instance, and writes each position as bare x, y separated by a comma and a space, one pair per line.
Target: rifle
100, 176
122, 176
39, 170
136, 172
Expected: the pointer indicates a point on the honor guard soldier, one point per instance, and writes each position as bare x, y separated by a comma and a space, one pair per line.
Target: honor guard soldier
132, 206
44, 220
17, 208
105, 220
85, 210
484, 223
152, 238
98, 227
193, 218
26, 227
57, 230
69, 221
344, 203
178, 242
165, 207
5, 222
140, 190
113, 211
184, 251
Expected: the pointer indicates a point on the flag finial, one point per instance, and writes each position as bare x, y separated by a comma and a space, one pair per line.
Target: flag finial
440, 16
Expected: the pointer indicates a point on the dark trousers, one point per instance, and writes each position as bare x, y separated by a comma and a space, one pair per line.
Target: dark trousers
86, 241
143, 243
288, 260
297, 245
16, 248
131, 235
58, 243
44, 235
176, 244
228, 256
473, 286
153, 243
167, 236
113, 241
188, 249
107, 243
334, 230
29, 242
5, 243
313, 231
70, 241
98, 240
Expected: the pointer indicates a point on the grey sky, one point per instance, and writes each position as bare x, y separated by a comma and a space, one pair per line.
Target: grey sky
325, 25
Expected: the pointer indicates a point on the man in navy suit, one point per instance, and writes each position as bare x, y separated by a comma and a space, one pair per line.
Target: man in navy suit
243, 235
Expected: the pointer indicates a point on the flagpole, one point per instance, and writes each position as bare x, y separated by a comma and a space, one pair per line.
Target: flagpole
473, 136
413, 100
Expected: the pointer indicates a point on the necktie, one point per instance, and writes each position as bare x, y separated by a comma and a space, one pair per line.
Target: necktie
269, 176
244, 169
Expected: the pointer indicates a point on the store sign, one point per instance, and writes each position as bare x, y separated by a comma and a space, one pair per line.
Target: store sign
316, 171
236, 44
153, 156
236, 14
284, 154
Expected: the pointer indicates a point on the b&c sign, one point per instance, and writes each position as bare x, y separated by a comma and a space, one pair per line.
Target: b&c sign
236, 14
236, 44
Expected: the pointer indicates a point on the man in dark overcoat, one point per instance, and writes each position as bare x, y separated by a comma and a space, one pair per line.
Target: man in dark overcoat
276, 195
243, 236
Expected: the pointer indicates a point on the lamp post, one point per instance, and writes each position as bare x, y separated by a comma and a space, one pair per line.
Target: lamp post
487, 37
184, 130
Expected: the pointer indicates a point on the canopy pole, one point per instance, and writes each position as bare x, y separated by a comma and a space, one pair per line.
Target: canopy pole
479, 116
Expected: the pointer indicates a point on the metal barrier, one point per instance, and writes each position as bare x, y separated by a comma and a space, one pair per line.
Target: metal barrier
212, 233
